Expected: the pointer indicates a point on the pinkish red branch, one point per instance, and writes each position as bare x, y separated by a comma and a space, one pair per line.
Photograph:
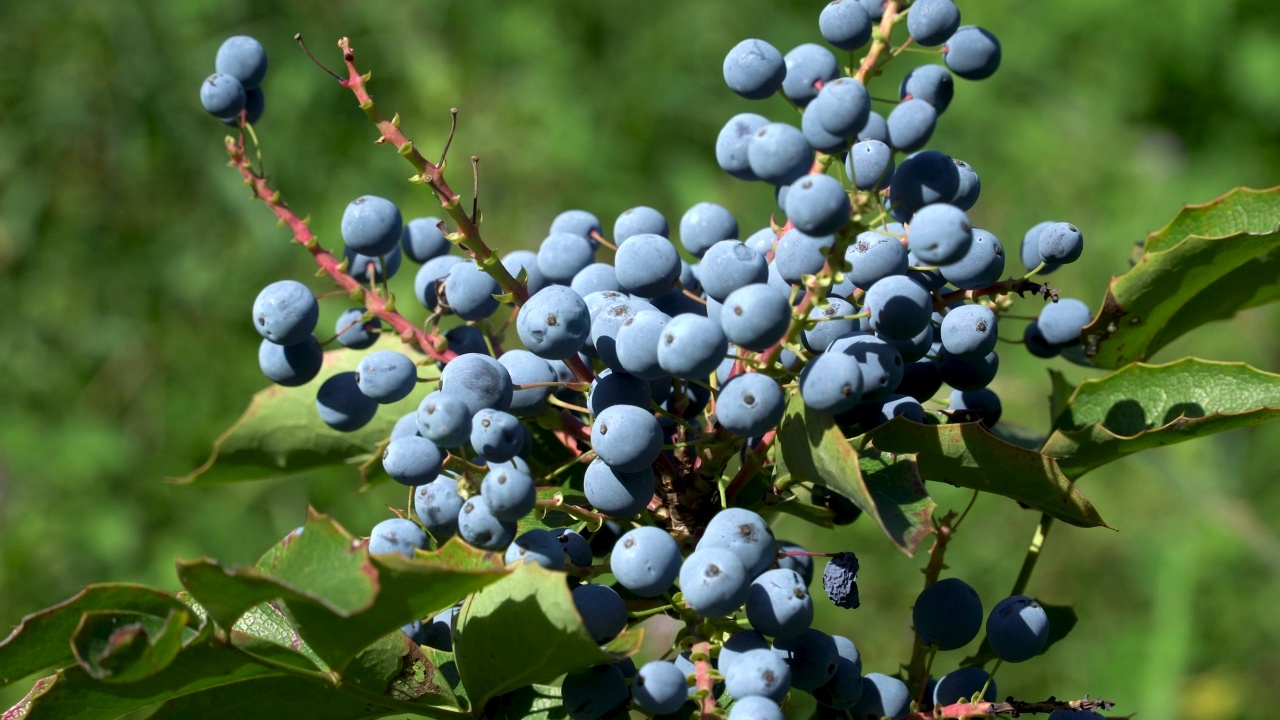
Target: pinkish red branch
433, 345
1012, 708
704, 682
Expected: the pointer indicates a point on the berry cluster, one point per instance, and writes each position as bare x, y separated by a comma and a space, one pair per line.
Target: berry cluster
234, 91
874, 293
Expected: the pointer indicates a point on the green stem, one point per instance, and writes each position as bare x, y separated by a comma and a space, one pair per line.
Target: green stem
1033, 555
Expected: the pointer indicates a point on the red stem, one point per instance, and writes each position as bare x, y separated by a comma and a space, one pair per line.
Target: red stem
704, 681
430, 343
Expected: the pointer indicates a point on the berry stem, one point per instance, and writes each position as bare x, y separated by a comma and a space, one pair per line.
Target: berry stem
701, 654
918, 668
1012, 708
873, 58
330, 265
1033, 555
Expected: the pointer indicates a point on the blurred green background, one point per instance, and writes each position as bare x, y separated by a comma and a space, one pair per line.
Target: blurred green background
130, 256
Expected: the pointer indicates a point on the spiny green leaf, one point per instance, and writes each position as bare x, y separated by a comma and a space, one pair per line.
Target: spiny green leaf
40, 641
1211, 262
1145, 406
968, 455
125, 647
815, 450
267, 623
280, 433
340, 598
530, 611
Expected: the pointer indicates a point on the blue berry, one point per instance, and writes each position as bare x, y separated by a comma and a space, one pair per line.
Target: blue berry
920, 379
594, 278
636, 344
900, 307
341, 404
802, 564
811, 655
412, 460
243, 58
875, 129
754, 69
841, 107
970, 186
286, 312
437, 505
628, 438
372, 226
924, 178
818, 205
577, 550
1031, 258
1060, 322
844, 689
799, 253
386, 375
1017, 628
939, 234
869, 165
962, 684
759, 673
879, 363
605, 324
444, 420
874, 256
750, 404
778, 604
779, 153
882, 696
578, 222
706, 224
691, 346
833, 321
255, 102
618, 493
479, 381
594, 693
639, 220
526, 260
931, 22
496, 435
969, 373
742, 641
874, 8
895, 406
291, 365
427, 283
437, 632
745, 534
645, 560
470, 291
1061, 243
972, 53
537, 546
831, 384
422, 239
555, 323
526, 368
478, 526
562, 255
845, 24
982, 403
659, 687
728, 265
911, 124
1036, 343
617, 388
646, 265
969, 330
509, 493
807, 65
222, 95
755, 707
396, 535
713, 581
368, 269
355, 333
731, 149
930, 83
755, 316
948, 614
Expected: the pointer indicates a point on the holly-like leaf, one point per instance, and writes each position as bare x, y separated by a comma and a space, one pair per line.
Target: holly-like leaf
968, 455
40, 641
1212, 261
1145, 406
280, 433
889, 492
123, 647
533, 702
266, 625
340, 598
525, 629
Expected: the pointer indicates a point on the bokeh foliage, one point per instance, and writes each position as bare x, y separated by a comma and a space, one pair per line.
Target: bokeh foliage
129, 257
